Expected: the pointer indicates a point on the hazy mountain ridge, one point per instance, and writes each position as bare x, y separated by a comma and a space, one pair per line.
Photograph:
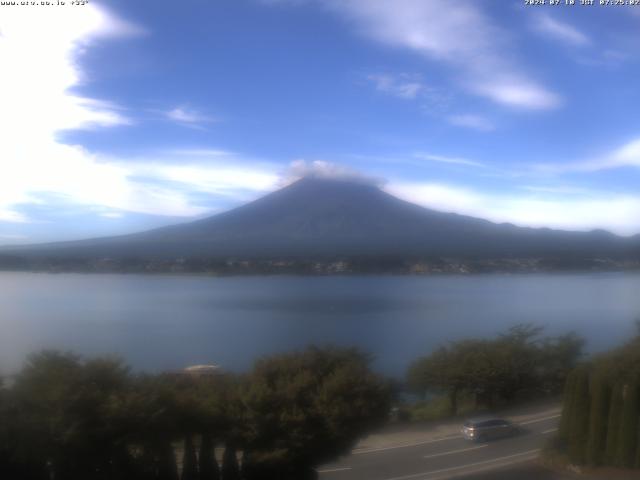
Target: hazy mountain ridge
316, 217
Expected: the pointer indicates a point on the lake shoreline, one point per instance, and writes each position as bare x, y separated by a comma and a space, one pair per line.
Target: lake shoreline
322, 267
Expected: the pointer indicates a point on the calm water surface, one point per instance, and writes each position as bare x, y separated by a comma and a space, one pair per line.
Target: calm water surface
165, 322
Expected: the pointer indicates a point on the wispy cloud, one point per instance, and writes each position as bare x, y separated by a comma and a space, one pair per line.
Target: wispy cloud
185, 175
9, 215
616, 213
480, 55
449, 160
557, 30
403, 85
12, 237
473, 121
627, 155
111, 214
412, 87
189, 117
327, 170
556, 189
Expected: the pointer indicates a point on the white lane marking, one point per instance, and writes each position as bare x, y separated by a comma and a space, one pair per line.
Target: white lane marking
330, 470
461, 467
539, 420
551, 430
451, 452
405, 445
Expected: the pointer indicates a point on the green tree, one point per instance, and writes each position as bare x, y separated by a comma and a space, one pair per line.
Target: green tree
68, 416
556, 358
208, 465
517, 362
189, 460
230, 467
600, 397
567, 406
165, 455
518, 357
306, 408
579, 420
439, 372
613, 423
627, 441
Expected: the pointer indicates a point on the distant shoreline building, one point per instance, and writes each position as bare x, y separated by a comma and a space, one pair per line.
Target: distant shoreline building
203, 370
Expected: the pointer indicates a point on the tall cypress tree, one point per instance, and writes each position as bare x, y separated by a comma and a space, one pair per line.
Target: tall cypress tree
600, 397
189, 460
567, 406
628, 438
230, 468
613, 423
167, 468
637, 462
249, 468
579, 419
209, 469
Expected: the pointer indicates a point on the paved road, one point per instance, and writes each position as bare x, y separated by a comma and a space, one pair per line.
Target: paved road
446, 457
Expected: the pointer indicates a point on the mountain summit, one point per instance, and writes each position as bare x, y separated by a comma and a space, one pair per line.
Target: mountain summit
318, 217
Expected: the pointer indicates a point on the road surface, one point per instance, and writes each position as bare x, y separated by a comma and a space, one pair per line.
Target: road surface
447, 456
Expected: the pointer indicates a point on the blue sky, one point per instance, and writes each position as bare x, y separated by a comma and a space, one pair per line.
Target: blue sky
120, 116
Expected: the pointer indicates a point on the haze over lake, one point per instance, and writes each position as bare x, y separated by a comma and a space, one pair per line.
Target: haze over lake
168, 322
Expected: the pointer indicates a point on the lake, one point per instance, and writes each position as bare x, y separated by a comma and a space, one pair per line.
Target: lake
168, 322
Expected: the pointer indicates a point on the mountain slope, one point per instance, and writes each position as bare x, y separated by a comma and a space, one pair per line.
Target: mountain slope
320, 217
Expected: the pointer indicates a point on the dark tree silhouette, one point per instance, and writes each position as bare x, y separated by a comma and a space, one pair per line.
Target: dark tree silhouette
189, 460
600, 397
579, 420
613, 423
208, 465
628, 435
166, 462
230, 468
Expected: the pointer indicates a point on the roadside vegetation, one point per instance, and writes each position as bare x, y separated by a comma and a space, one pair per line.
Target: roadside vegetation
68, 418
601, 411
475, 374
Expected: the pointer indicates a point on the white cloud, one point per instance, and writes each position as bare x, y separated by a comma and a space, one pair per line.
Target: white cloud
555, 189
222, 177
628, 155
617, 213
513, 90
39, 49
556, 30
460, 35
403, 85
188, 116
327, 170
449, 160
12, 237
211, 153
39, 53
473, 121
112, 214
8, 215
